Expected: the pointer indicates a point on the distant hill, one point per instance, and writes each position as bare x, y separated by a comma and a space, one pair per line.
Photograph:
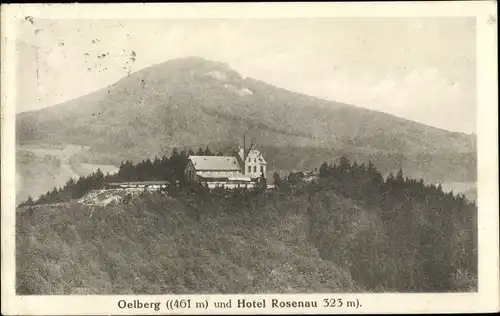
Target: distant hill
42, 167
192, 102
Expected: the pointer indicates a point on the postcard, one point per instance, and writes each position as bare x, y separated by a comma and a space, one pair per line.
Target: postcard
249, 158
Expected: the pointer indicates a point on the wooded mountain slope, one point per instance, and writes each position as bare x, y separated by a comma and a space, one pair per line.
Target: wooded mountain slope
192, 102
156, 244
350, 230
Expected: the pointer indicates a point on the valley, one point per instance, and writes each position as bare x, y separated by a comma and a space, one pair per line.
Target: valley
469, 189
42, 167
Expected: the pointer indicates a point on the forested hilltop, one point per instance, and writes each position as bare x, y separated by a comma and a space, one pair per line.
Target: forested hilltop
349, 230
196, 102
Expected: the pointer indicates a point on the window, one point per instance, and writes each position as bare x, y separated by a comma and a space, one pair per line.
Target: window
262, 169
255, 160
254, 168
249, 169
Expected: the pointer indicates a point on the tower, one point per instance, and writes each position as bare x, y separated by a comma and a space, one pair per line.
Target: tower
254, 165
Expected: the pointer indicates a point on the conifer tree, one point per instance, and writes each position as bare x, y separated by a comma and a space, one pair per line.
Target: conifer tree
344, 164
400, 176
276, 179
207, 152
324, 170
263, 182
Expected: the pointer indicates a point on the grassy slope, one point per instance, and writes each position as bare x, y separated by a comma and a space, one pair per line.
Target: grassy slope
164, 245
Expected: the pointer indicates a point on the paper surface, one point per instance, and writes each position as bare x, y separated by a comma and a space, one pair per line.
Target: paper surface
39, 70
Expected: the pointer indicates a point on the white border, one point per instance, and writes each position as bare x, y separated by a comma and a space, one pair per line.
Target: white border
485, 300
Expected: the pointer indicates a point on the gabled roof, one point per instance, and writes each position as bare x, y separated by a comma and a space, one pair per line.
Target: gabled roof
253, 150
223, 163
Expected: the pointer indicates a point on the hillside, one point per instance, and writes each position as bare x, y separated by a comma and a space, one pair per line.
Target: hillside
163, 245
192, 102
334, 236
350, 229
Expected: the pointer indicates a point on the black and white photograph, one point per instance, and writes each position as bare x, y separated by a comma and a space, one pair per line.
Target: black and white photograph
241, 155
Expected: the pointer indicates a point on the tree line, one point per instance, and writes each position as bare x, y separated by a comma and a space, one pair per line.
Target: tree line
167, 168
396, 233
420, 238
364, 182
392, 233
353, 180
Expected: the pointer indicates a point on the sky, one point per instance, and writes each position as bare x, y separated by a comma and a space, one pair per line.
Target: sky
421, 69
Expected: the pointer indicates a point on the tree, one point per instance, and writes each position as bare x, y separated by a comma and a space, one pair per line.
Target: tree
276, 179
344, 164
99, 173
263, 182
207, 152
29, 201
293, 178
175, 153
324, 171
440, 188
54, 195
181, 166
400, 176
70, 182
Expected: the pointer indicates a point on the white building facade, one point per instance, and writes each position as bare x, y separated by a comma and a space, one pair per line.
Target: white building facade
254, 165
243, 170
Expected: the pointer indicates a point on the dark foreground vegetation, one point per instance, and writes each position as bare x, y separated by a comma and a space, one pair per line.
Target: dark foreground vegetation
349, 230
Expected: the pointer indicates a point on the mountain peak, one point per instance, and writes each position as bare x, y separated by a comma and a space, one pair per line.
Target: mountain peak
194, 102
197, 61
190, 68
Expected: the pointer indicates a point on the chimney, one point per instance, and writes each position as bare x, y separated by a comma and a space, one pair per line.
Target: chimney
241, 153
244, 146
244, 153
